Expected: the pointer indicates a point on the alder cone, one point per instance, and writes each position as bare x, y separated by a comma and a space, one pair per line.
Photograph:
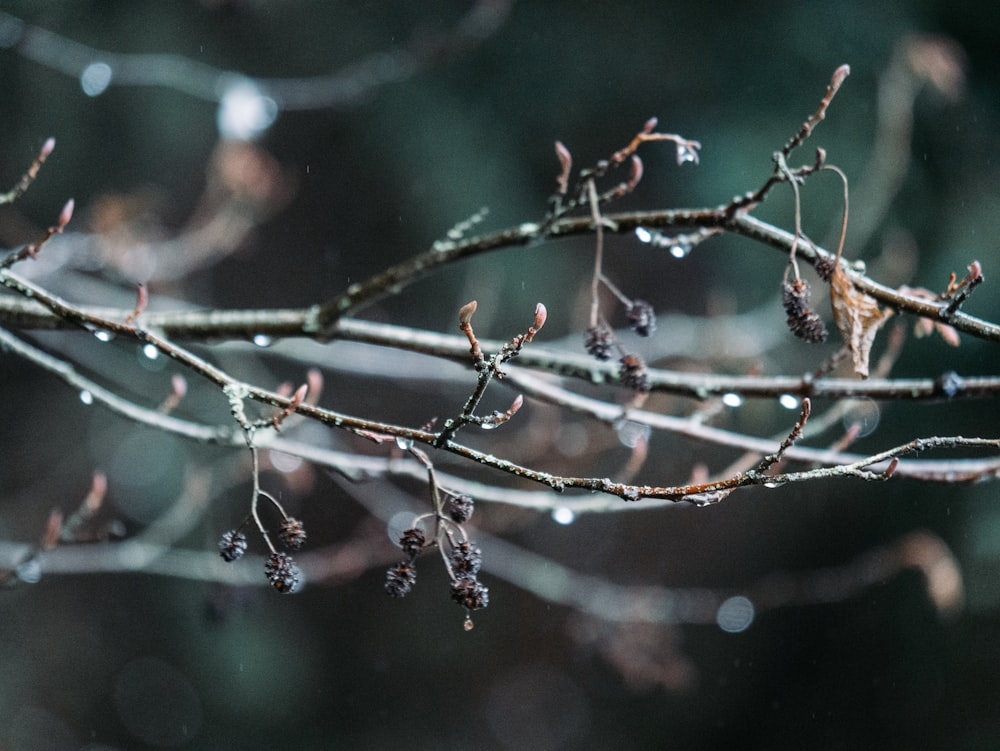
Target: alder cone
804, 322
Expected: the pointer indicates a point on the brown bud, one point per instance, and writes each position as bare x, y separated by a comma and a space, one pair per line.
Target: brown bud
466, 312
540, 315
636, 175
839, 75
141, 301
562, 153
53, 528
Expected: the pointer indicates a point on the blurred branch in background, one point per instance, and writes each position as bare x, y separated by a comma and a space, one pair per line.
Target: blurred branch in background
248, 105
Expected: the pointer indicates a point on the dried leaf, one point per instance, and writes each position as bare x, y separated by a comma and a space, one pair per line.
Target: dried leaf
858, 317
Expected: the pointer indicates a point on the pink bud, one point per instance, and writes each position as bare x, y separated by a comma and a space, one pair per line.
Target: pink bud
99, 484
98, 489
516, 405
53, 529
839, 75
636, 175
141, 300
565, 158
47, 148
315, 380
180, 385
66, 214
566, 164
466, 312
299, 395
540, 315
650, 125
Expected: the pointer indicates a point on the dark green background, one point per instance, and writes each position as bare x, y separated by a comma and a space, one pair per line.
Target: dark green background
344, 667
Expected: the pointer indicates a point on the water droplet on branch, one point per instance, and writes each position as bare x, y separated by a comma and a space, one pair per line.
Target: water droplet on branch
686, 154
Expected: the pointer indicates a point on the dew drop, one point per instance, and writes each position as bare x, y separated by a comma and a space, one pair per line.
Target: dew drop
103, 336
404, 443
397, 524
680, 250
149, 358
686, 154
29, 571
86, 397
862, 415
245, 112
788, 401
735, 614
707, 499
732, 399
490, 425
262, 340
285, 463
632, 433
772, 485
468, 625
95, 78
563, 515
644, 235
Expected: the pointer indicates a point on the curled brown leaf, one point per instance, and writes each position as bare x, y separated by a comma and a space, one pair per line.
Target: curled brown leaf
858, 317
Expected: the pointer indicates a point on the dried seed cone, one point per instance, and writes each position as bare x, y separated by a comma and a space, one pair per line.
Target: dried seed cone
412, 541
468, 592
232, 546
460, 508
399, 579
466, 559
642, 317
597, 340
282, 572
292, 533
825, 267
804, 322
633, 373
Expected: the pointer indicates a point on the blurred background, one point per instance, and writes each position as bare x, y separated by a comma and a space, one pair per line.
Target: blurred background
255, 154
